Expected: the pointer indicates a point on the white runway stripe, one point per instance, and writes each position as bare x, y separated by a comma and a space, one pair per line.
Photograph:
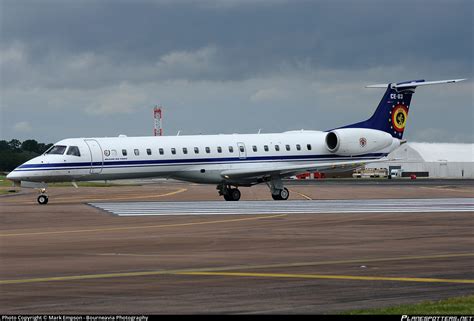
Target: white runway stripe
290, 207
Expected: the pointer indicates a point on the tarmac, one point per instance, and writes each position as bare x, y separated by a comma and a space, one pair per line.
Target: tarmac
70, 257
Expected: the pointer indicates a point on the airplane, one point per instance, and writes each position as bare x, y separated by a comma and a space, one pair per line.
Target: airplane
228, 161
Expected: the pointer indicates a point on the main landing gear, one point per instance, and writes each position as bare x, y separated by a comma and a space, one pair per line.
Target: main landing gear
42, 198
279, 192
229, 193
281, 195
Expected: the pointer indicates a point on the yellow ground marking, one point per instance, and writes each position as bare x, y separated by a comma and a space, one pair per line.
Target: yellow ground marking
84, 277
63, 200
323, 276
220, 271
440, 188
143, 227
124, 197
366, 260
302, 195
302, 264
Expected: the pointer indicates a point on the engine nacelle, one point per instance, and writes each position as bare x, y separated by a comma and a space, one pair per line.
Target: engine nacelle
357, 141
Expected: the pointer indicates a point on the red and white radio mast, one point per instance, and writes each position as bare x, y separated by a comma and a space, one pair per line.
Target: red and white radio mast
158, 124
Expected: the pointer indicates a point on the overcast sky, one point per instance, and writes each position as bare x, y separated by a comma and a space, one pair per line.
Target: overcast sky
97, 68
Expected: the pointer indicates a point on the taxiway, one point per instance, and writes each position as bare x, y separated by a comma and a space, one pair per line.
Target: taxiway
70, 257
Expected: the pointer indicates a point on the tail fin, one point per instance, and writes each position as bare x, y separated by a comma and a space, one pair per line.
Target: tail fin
392, 112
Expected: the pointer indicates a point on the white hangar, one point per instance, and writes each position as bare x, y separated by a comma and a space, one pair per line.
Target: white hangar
436, 160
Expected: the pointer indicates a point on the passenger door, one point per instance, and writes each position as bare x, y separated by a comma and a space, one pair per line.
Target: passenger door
97, 157
242, 150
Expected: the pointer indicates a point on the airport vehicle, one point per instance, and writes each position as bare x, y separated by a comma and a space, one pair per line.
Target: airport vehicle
395, 173
228, 161
370, 173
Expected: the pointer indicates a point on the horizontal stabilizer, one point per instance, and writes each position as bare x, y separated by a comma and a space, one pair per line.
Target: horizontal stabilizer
415, 83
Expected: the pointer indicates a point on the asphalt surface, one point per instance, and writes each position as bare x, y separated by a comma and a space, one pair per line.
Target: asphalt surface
69, 257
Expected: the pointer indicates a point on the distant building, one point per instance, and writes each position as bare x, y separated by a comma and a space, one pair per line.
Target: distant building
436, 160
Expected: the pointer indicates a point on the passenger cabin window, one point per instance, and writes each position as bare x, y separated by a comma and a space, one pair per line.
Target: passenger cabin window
265, 148
113, 152
288, 147
124, 152
254, 148
277, 147
298, 147
196, 150
208, 150
231, 149
161, 151
74, 151
173, 151
148, 151
57, 150
219, 149
242, 149
308, 146
185, 150
136, 151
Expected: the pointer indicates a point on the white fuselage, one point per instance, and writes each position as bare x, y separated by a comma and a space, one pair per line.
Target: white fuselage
196, 158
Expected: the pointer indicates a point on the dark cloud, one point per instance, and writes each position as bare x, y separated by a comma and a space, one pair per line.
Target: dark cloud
84, 57
252, 38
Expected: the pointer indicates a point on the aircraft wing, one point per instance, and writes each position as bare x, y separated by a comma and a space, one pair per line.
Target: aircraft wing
289, 170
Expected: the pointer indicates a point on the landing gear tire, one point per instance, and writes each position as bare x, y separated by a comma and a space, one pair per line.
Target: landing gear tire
42, 199
282, 194
232, 195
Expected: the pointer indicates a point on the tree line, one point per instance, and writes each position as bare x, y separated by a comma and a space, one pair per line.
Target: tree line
14, 152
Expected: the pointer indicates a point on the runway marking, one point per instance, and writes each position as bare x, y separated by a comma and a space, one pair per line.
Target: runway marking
324, 276
289, 207
302, 195
221, 271
144, 227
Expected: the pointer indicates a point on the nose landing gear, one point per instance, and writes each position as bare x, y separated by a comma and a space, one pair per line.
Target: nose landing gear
42, 198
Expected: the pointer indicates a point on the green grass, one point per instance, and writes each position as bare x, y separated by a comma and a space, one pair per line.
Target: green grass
4, 181
457, 305
7, 191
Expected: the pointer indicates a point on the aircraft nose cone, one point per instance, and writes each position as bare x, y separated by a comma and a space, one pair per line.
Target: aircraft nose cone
14, 176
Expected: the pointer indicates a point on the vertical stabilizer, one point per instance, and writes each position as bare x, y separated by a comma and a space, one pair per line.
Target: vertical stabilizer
391, 114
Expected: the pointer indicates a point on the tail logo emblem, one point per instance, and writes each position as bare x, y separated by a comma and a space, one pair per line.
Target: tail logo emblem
362, 141
399, 117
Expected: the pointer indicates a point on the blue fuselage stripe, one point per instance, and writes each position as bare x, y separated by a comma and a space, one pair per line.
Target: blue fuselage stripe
200, 161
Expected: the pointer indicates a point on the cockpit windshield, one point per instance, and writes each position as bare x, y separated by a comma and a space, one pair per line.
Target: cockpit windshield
56, 150
74, 151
